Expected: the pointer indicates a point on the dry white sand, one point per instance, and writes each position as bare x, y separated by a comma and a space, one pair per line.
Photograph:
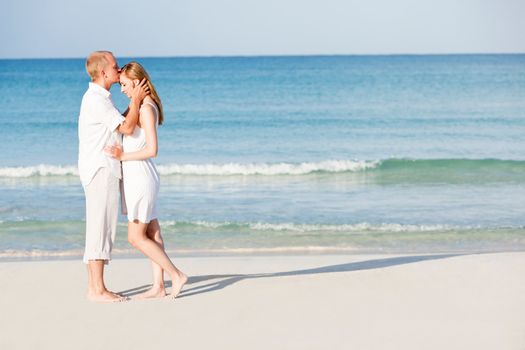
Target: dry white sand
295, 302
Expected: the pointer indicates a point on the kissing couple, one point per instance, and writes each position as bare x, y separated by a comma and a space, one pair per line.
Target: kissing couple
115, 155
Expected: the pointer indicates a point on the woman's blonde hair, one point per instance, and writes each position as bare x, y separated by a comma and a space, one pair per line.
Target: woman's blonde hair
134, 70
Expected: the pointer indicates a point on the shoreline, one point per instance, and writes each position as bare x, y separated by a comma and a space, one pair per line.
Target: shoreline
364, 301
132, 254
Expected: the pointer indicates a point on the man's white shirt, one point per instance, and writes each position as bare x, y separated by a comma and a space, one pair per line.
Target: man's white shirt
97, 124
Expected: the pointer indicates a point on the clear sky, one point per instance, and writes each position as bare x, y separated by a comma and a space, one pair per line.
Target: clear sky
62, 28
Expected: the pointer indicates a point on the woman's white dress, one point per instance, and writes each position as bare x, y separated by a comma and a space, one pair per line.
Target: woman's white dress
140, 177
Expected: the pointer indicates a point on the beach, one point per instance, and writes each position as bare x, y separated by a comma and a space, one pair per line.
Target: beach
329, 175
438, 301
315, 202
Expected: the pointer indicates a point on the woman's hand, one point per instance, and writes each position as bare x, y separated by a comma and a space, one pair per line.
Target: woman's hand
114, 152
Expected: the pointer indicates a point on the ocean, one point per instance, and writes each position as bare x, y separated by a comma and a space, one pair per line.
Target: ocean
264, 155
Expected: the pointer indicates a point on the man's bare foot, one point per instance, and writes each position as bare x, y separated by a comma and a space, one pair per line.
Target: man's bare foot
177, 284
153, 292
104, 297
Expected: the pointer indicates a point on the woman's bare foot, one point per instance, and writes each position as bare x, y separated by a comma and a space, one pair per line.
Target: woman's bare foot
153, 292
116, 294
177, 283
104, 297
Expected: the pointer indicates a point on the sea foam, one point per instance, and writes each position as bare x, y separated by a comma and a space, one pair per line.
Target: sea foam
420, 168
39, 170
268, 169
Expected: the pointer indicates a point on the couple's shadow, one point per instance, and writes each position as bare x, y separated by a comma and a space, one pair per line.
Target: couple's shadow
209, 283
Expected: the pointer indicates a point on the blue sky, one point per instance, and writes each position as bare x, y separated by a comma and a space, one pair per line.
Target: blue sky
57, 28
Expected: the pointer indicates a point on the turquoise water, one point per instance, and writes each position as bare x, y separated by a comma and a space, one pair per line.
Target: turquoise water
286, 154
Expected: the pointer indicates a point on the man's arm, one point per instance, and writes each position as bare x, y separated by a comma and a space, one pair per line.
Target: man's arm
132, 113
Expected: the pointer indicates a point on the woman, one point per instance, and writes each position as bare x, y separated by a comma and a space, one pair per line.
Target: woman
141, 183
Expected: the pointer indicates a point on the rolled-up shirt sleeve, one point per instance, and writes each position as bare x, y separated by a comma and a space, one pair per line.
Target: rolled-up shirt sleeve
108, 114
114, 118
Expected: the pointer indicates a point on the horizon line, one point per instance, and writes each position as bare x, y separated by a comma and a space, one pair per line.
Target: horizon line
279, 55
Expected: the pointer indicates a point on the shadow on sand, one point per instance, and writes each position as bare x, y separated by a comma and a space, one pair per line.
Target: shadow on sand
219, 282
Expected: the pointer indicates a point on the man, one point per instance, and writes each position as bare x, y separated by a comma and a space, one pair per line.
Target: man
99, 125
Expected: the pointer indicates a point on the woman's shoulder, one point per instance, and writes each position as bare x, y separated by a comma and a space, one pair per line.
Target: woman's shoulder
149, 103
148, 109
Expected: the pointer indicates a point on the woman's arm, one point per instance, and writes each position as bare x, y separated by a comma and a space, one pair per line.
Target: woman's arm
148, 124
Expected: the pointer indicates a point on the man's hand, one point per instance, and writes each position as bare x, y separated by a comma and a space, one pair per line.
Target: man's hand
140, 91
113, 151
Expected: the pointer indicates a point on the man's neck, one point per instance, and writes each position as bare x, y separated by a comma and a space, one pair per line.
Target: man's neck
102, 84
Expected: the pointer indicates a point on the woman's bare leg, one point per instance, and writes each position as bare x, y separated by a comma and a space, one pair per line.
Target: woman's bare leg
157, 290
138, 238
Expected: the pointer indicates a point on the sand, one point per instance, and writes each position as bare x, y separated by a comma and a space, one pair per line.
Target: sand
471, 301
